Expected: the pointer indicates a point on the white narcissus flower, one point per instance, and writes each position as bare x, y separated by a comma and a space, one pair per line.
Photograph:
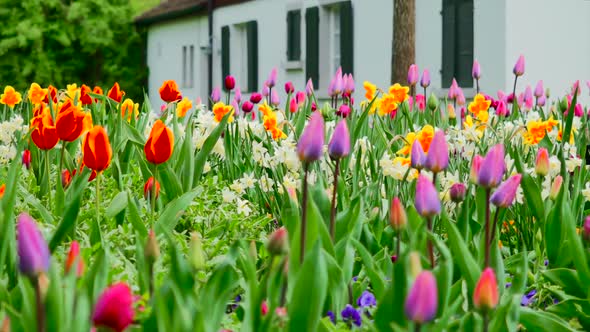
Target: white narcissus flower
228, 195
586, 192
243, 207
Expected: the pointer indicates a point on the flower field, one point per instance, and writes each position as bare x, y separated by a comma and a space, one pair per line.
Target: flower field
379, 209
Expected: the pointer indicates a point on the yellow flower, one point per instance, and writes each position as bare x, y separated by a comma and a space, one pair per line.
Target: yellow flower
128, 108
10, 97
560, 135
220, 110
277, 134
183, 106
410, 137
399, 92
37, 94
424, 136
265, 109
451, 111
387, 104
479, 104
370, 89
73, 92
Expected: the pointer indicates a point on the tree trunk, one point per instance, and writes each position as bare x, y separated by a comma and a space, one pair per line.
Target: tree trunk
403, 47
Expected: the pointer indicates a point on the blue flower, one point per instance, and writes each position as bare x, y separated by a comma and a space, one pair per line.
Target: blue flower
350, 314
332, 316
508, 284
355, 279
367, 299
528, 298
546, 262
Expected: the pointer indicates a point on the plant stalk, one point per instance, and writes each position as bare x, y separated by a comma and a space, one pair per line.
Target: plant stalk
487, 229
40, 306
47, 170
429, 242
333, 209
304, 213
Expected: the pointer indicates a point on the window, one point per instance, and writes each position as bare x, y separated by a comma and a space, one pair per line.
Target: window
243, 65
312, 45
334, 19
188, 66
457, 42
294, 35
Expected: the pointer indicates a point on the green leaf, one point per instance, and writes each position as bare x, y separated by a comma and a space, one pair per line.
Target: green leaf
173, 211
568, 280
466, 262
170, 182
542, 321
118, 204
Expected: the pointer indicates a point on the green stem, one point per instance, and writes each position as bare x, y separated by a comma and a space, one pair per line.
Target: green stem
40, 307
429, 242
48, 178
98, 199
61, 160
303, 213
333, 209
153, 194
487, 229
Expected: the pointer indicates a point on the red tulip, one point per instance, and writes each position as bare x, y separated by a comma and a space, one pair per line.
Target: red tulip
160, 144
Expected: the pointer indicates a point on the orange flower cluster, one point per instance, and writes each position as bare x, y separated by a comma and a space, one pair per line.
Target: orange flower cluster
389, 103
478, 105
269, 120
423, 136
536, 130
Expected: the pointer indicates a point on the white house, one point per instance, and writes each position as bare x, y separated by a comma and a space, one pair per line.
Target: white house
311, 38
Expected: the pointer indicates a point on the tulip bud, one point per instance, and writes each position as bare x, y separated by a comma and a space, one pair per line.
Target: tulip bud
563, 104
506, 193
335, 87
151, 250
27, 158
5, 327
300, 98
311, 143
114, 308
343, 111
274, 98
539, 89
586, 229
501, 109
314, 107
542, 162
265, 91
66, 178
457, 192
33, 253
278, 242
415, 264
437, 159
417, 156
230, 83
451, 111
252, 250
216, 95
422, 301
425, 80
272, 78
413, 75
247, 106
476, 70
475, 167
255, 98
293, 105
555, 187
148, 189
309, 88
460, 97
485, 295
519, 66
74, 257
432, 102
495, 166
196, 253
339, 145
397, 215
426, 200
349, 85
289, 88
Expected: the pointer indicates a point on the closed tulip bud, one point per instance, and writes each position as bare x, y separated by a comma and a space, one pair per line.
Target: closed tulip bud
278, 242
460, 97
457, 192
196, 253
476, 70
415, 264
274, 98
417, 156
44, 133
230, 83
152, 249
114, 308
539, 91
255, 98
272, 78
74, 258
343, 111
426, 199
432, 102
289, 88
160, 144
309, 88
485, 295
491, 175
397, 215
300, 97
506, 193
349, 84
115, 93
33, 252
422, 301
519, 66
169, 91
586, 228
413, 75
563, 104
293, 105
339, 145
542, 162
541, 101
453, 90
265, 91
437, 159
216, 95
475, 167
451, 111
314, 106
311, 143
238, 95
425, 80
66, 178
501, 109
555, 187
335, 87
27, 158
247, 106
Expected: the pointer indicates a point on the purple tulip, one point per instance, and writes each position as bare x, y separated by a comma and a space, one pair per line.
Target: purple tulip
238, 95
33, 252
457, 192
335, 87
413, 75
506, 193
349, 84
265, 91
289, 88
437, 159
247, 106
519, 66
422, 301
255, 98
541, 101
274, 98
309, 88
417, 157
311, 143
493, 167
426, 200
476, 70
216, 95
339, 145
272, 78
425, 80
539, 91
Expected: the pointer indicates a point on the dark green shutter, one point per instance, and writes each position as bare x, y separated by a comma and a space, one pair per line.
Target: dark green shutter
312, 45
464, 43
224, 52
252, 35
448, 43
294, 35
346, 37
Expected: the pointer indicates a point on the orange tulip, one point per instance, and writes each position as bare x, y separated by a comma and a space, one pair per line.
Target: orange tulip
115, 93
97, 90
169, 91
44, 133
37, 94
64, 106
51, 92
129, 109
72, 123
84, 96
97, 149
160, 144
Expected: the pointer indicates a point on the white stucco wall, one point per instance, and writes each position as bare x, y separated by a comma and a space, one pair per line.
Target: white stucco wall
164, 55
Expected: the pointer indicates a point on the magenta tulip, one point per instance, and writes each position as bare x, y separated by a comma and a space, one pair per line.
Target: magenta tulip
426, 199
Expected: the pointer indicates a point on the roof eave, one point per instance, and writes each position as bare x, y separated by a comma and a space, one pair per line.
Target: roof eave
192, 10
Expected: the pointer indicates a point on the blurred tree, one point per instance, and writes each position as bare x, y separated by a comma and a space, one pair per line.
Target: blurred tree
71, 41
403, 48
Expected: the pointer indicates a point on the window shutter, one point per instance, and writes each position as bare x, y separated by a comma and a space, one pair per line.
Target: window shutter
294, 35
312, 47
448, 42
346, 37
464, 43
224, 52
252, 35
